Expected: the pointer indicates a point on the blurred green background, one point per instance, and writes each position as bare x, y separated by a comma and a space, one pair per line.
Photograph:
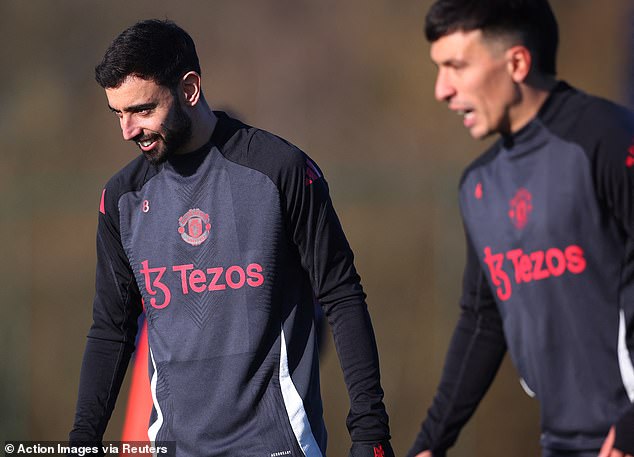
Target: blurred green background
351, 83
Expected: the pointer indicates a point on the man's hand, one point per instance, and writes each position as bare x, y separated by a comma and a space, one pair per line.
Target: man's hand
608, 450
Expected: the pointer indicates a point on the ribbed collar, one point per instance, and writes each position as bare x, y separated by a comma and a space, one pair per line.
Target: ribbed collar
534, 134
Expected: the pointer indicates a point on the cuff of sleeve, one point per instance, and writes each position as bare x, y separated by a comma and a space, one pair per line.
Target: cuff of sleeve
624, 440
422, 444
371, 449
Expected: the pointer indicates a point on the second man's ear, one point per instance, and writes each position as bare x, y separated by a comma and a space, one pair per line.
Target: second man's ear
519, 62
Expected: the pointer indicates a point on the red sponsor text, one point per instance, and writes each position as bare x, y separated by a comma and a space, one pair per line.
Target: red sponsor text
198, 280
533, 266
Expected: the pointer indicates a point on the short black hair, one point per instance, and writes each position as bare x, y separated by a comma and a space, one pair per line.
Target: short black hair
532, 21
153, 49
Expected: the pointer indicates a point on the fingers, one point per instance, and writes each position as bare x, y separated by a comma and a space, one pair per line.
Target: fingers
607, 450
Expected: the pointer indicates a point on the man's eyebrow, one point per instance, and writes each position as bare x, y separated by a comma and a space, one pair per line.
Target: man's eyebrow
134, 108
451, 62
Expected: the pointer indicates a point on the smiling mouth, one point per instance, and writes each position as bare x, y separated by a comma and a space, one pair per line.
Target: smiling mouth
145, 143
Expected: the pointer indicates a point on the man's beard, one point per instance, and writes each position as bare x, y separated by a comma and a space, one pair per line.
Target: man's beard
173, 138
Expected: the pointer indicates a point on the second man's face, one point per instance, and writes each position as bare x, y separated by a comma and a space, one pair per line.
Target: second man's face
474, 80
151, 116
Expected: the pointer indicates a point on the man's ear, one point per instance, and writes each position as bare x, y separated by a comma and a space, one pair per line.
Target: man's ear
190, 88
519, 63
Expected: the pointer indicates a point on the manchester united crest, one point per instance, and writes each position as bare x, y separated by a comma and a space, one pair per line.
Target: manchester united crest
520, 208
194, 226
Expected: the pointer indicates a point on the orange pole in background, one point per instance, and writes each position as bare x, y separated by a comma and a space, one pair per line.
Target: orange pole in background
139, 407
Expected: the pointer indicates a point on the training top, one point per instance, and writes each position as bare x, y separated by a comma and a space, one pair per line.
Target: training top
549, 220
228, 247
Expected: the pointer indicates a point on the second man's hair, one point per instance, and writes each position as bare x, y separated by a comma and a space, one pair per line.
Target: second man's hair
532, 22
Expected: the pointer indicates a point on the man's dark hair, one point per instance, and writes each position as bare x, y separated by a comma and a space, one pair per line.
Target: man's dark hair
154, 50
532, 21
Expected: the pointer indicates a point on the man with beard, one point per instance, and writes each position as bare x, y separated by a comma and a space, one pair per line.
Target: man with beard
224, 235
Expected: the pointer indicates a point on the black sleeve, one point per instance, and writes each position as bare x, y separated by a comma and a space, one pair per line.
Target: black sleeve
110, 343
614, 177
474, 356
327, 258
624, 440
614, 168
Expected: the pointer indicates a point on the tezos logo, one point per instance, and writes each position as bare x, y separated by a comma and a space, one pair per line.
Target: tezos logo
531, 266
194, 226
521, 208
198, 280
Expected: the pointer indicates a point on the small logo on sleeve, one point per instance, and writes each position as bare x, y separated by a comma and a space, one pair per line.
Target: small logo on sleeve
102, 204
194, 226
629, 160
521, 208
312, 173
378, 451
477, 193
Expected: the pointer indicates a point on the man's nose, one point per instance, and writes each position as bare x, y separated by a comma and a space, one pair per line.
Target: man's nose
443, 90
129, 128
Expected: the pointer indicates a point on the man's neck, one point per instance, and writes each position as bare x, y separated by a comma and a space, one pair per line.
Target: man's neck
203, 124
533, 95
